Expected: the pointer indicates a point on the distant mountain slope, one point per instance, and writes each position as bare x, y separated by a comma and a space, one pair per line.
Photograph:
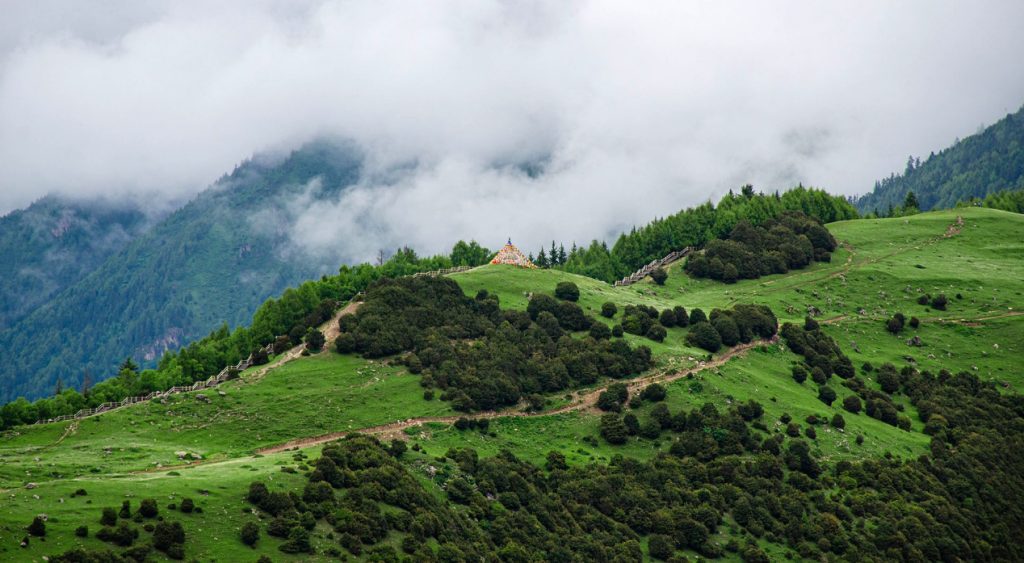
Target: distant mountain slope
53, 244
213, 261
979, 165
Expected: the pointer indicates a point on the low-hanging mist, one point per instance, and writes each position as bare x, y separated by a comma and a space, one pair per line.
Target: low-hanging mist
633, 112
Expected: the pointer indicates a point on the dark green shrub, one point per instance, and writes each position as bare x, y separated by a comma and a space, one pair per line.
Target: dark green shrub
608, 310
852, 404
613, 429
703, 335
600, 331
667, 318
148, 508
37, 527
109, 517
799, 373
567, 291
654, 392
659, 275
657, 333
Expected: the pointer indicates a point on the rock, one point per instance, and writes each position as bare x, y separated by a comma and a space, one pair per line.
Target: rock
181, 454
202, 398
31, 486
222, 394
915, 341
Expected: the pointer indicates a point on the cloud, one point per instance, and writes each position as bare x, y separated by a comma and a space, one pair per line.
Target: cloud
637, 110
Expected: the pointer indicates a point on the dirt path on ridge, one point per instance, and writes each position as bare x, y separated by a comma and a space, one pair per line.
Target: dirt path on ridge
330, 330
584, 400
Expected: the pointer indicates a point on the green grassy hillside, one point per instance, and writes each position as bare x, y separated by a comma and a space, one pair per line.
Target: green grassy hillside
882, 268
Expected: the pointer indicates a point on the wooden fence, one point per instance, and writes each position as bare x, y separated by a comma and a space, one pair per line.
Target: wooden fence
443, 272
643, 272
212, 381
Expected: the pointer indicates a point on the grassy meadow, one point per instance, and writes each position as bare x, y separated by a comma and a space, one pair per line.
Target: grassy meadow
882, 267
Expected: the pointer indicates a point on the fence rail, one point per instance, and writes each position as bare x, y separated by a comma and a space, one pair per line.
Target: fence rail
212, 381
644, 271
443, 272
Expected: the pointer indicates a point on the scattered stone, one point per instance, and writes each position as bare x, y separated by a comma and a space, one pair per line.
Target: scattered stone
202, 398
181, 454
915, 341
31, 486
222, 394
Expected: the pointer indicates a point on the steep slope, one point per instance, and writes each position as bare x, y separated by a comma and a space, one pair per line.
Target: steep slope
213, 261
53, 244
979, 165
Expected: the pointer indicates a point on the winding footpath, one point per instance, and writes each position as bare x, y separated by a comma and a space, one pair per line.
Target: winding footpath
584, 400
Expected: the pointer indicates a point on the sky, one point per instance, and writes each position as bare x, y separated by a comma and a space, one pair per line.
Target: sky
635, 109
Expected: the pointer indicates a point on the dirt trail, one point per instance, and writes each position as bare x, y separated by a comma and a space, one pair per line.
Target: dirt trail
582, 401
330, 330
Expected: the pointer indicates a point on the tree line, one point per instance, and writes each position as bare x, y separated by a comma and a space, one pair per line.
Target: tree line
696, 227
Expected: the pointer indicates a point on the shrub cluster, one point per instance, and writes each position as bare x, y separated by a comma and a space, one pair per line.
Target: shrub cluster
729, 327
789, 242
964, 500
480, 356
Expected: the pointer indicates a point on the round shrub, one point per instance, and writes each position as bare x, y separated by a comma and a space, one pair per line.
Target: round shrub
600, 331
657, 333
852, 404
826, 395
799, 373
659, 275
667, 318
567, 291
37, 528
608, 310
703, 335
617, 331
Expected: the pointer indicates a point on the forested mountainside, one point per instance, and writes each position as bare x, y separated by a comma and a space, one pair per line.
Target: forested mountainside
54, 243
213, 261
977, 166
